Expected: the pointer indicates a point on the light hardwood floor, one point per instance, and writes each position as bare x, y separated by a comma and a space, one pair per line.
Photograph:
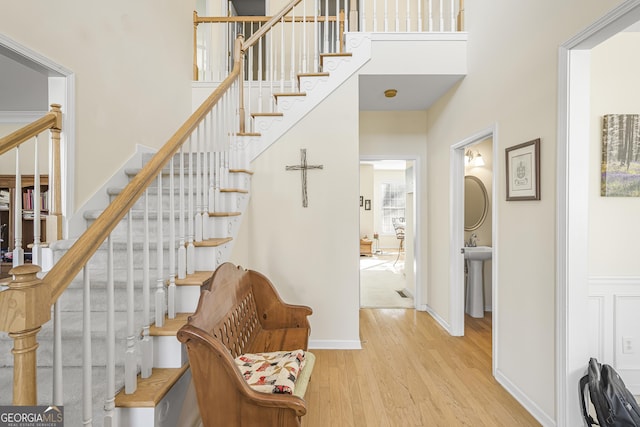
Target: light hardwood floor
410, 372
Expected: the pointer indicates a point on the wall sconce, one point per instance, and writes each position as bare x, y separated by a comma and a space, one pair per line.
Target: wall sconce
473, 159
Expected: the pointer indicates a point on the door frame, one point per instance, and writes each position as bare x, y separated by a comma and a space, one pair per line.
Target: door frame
572, 293
456, 233
61, 87
417, 229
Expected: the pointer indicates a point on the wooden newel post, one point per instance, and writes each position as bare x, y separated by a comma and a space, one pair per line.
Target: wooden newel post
24, 308
54, 219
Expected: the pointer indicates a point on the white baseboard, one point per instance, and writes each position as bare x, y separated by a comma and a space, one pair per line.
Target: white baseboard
335, 345
438, 319
524, 400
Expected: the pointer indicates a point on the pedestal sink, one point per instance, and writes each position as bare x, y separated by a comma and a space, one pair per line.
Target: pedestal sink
475, 257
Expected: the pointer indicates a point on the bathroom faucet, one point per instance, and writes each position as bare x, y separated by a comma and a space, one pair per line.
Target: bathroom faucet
473, 240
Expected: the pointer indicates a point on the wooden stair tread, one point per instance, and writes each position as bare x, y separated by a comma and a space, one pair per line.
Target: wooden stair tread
223, 214
324, 74
170, 327
233, 190
290, 94
249, 134
267, 115
333, 55
151, 390
198, 278
247, 171
212, 243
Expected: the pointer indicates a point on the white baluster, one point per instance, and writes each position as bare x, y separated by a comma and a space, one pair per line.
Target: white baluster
386, 16
292, 73
325, 49
282, 51
316, 48
375, 16
182, 250
36, 205
337, 28
260, 76
304, 37
58, 383
407, 23
363, 17
130, 363
160, 296
146, 345
419, 15
198, 217
190, 247
430, 15
441, 16
452, 9
212, 166
87, 383
346, 16
110, 398
171, 295
18, 252
205, 176
272, 75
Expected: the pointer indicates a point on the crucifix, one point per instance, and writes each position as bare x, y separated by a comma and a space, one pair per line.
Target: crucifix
303, 167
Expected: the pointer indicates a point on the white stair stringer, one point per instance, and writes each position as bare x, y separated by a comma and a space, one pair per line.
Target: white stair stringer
340, 69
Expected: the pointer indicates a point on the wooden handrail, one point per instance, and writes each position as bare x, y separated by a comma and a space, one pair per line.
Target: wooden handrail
66, 269
270, 23
51, 120
248, 19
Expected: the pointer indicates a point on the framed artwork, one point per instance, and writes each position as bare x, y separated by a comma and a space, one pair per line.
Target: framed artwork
367, 205
523, 171
360, 201
620, 164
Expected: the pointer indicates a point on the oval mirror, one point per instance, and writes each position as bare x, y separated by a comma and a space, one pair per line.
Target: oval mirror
476, 203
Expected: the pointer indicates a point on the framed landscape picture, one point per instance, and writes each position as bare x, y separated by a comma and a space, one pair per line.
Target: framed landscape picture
523, 171
620, 165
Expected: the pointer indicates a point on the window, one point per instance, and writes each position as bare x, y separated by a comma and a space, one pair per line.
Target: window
393, 205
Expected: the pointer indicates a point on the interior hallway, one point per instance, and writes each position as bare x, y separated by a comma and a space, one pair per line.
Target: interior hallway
381, 277
411, 372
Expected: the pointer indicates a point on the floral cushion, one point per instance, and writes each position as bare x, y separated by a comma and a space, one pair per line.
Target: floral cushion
271, 372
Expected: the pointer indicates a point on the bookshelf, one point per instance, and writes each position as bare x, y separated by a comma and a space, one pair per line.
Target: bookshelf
7, 217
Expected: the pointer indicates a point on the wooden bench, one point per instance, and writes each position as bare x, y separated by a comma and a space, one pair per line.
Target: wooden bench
240, 312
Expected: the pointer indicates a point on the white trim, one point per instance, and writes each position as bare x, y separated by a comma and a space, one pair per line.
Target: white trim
456, 233
572, 205
335, 345
524, 400
438, 318
20, 117
417, 241
62, 91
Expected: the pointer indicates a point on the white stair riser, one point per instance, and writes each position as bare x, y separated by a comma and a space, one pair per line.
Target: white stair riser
168, 352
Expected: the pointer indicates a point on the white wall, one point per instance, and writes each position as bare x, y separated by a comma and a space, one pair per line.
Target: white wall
512, 82
132, 62
614, 271
311, 254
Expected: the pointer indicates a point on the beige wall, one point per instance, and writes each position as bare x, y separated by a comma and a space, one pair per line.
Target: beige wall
613, 221
132, 63
512, 82
311, 254
396, 135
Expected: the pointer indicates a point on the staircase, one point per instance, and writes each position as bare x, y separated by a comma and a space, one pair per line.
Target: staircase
158, 399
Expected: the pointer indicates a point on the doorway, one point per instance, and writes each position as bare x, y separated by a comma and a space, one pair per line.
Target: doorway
387, 230
474, 157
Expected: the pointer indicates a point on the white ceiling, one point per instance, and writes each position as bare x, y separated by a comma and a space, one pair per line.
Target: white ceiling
415, 92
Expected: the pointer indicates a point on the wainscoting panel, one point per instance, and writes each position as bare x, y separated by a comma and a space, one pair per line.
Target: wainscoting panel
614, 325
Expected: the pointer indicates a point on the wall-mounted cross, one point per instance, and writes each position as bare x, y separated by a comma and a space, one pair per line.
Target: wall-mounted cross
303, 167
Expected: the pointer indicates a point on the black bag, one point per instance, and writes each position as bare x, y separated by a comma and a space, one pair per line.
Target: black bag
615, 405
